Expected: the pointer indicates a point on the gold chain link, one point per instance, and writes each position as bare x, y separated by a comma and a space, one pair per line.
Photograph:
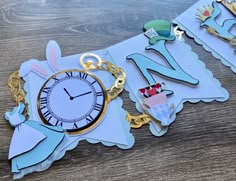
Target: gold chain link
120, 76
17, 93
137, 121
97, 63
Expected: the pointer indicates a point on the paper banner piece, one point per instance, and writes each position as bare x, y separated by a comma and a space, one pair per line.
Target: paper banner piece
212, 25
147, 60
42, 148
165, 59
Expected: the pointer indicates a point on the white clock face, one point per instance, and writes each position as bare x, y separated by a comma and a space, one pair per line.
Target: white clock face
73, 99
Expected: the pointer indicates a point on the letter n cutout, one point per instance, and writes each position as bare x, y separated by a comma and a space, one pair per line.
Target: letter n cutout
146, 64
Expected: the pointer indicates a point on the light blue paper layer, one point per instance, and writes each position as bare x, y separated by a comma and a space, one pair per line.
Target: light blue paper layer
219, 48
188, 61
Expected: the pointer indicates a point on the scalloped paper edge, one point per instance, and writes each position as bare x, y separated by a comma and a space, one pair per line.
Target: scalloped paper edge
127, 128
179, 107
206, 47
74, 144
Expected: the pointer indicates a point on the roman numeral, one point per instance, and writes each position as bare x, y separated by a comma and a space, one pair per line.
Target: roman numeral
43, 100
99, 93
59, 123
55, 79
69, 74
98, 107
89, 119
47, 115
93, 82
75, 126
46, 89
83, 75
43, 107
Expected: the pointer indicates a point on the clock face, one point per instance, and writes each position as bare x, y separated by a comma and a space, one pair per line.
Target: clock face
72, 99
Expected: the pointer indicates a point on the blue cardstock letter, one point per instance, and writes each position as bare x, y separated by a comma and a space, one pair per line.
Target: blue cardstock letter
146, 64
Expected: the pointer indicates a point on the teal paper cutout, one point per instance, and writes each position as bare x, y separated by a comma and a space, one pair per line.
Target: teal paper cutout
42, 149
210, 21
163, 29
145, 64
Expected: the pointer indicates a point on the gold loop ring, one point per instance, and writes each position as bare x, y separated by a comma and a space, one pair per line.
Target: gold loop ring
90, 64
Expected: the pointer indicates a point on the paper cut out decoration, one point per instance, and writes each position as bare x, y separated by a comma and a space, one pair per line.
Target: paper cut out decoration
47, 82
157, 107
162, 28
165, 60
41, 85
34, 146
154, 100
154, 89
208, 14
160, 59
229, 4
215, 30
161, 113
151, 33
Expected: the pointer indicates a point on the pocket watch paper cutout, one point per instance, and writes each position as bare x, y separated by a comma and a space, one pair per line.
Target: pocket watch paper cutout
212, 25
150, 60
50, 88
61, 103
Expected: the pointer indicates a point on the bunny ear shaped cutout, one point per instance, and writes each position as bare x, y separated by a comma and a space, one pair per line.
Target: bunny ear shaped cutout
33, 66
53, 54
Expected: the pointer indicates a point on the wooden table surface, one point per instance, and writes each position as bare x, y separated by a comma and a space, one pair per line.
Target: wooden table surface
200, 144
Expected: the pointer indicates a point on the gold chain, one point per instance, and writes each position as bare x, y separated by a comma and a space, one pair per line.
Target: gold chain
17, 93
137, 121
97, 63
120, 76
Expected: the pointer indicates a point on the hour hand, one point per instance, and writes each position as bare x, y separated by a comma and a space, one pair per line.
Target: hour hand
71, 98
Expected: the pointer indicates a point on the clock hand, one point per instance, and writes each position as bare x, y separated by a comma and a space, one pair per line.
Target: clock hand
83, 94
71, 98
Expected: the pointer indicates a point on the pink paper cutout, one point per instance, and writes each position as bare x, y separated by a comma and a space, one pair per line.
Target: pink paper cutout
157, 99
53, 58
33, 66
38, 69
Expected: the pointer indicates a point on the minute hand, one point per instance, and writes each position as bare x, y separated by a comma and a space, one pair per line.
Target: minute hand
83, 94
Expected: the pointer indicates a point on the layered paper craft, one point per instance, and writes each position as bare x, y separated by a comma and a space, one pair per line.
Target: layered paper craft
162, 73
32, 155
213, 25
162, 58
